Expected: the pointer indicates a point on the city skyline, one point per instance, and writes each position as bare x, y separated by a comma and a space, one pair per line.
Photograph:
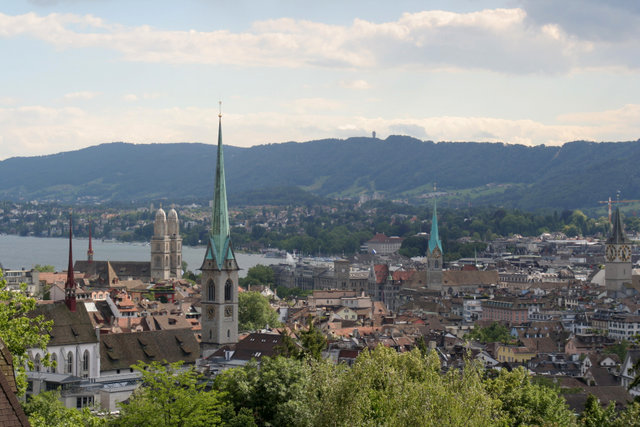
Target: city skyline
81, 73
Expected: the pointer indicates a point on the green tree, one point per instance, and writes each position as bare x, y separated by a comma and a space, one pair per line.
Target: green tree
258, 275
594, 415
313, 341
399, 389
44, 268
46, 410
525, 403
172, 395
255, 312
268, 390
21, 332
496, 332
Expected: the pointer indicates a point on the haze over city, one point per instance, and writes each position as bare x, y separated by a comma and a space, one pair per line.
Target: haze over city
79, 73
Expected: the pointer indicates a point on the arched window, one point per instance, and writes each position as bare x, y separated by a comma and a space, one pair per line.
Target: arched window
36, 363
211, 290
228, 333
85, 364
228, 290
69, 366
54, 363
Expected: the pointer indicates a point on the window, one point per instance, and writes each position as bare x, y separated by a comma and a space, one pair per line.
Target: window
84, 401
211, 290
85, 364
36, 363
69, 369
54, 363
228, 290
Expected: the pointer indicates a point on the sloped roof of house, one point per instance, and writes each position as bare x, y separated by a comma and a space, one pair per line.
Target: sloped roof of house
11, 413
69, 327
469, 278
120, 351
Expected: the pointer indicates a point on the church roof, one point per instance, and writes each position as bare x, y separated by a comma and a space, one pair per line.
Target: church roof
120, 351
617, 236
434, 237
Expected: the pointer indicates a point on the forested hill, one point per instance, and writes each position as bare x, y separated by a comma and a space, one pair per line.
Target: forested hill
576, 175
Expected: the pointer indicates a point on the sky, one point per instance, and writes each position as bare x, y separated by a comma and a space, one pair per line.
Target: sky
77, 73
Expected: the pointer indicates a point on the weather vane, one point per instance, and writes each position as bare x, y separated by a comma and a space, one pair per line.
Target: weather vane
220, 109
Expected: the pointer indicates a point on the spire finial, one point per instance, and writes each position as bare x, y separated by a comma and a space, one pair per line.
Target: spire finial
434, 187
220, 109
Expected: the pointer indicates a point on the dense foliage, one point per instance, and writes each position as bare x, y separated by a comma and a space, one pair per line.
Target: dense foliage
21, 332
496, 332
255, 312
383, 387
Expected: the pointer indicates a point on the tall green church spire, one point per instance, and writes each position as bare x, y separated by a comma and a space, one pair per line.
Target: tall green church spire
220, 231
434, 237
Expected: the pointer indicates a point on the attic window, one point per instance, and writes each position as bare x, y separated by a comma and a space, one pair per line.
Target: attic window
74, 331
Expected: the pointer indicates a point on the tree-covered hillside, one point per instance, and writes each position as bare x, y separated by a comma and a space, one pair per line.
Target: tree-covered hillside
576, 175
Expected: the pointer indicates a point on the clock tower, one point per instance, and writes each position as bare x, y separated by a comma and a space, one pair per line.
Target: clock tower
617, 256
219, 283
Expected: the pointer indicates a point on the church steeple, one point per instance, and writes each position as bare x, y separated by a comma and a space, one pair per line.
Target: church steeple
219, 279
220, 230
617, 234
90, 250
70, 284
434, 237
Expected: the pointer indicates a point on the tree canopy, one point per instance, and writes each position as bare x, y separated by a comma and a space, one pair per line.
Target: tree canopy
255, 312
21, 332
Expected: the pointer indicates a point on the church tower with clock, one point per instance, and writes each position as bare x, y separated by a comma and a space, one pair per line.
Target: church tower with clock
618, 268
219, 283
434, 255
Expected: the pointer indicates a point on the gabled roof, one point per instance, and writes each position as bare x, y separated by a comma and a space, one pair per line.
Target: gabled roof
69, 327
120, 351
11, 413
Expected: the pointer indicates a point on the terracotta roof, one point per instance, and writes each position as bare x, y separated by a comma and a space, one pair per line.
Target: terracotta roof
120, 351
469, 278
11, 413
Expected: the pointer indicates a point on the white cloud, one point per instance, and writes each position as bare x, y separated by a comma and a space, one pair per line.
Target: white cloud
130, 97
82, 95
355, 84
495, 39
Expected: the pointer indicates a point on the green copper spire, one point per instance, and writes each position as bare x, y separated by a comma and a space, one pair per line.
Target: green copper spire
617, 234
220, 231
434, 237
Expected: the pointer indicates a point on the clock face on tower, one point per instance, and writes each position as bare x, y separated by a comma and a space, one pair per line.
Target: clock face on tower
228, 311
625, 253
211, 312
610, 253
436, 252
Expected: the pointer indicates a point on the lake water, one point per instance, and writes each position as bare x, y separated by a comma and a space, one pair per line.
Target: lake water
18, 252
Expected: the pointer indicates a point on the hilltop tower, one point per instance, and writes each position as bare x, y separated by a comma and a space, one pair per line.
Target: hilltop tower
434, 255
618, 268
160, 251
175, 245
219, 269
70, 284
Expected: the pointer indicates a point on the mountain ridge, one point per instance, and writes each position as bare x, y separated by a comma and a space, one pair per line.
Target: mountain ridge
574, 175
